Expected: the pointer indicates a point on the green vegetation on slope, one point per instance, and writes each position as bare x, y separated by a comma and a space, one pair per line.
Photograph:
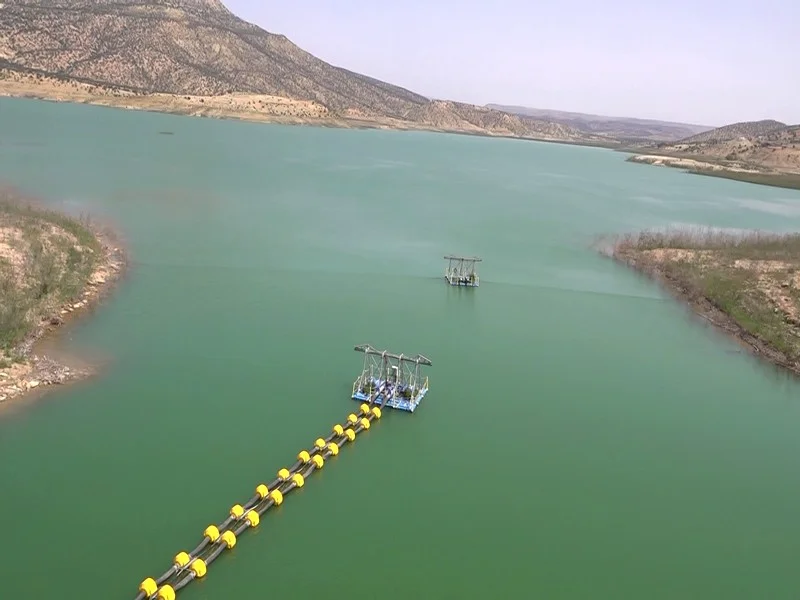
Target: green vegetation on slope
783, 180
45, 260
753, 279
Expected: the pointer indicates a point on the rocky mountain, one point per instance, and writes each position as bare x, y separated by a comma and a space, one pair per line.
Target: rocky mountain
625, 129
199, 48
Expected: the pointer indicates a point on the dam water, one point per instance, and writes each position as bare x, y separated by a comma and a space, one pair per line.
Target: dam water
582, 437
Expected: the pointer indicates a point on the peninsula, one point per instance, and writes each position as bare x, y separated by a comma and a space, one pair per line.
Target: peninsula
745, 284
765, 152
52, 268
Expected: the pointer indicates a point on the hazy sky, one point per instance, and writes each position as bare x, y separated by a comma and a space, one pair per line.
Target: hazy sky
709, 62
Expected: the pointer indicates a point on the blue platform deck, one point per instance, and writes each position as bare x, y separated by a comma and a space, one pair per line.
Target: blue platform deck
397, 401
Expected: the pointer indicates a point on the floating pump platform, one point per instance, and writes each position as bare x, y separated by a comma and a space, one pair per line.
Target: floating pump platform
188, 566
392, 380
461, 271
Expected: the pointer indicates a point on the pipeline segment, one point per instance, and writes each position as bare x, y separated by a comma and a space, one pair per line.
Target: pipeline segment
188, 566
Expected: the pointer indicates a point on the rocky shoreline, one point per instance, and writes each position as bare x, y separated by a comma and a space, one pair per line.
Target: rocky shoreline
32, 371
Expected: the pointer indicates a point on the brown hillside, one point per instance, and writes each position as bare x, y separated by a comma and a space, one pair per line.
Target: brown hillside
198, 48
449, 115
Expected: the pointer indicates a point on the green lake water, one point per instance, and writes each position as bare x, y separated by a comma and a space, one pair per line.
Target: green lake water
582, 438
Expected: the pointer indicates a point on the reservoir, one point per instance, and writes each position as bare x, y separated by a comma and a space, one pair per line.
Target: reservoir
583, 437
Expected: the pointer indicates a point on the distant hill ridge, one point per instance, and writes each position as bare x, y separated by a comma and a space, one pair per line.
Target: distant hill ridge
745, 129
619, 128
200, 48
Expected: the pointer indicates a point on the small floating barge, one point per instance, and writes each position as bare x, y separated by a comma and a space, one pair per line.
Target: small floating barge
460, 270
392, 380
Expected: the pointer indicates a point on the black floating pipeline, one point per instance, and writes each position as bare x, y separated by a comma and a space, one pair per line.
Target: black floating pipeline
187, 566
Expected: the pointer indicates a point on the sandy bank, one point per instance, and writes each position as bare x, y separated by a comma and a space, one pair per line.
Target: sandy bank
53, 269
736, 170
690, 164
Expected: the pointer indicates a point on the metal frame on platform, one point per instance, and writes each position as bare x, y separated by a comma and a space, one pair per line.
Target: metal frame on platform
461, 270
390, 379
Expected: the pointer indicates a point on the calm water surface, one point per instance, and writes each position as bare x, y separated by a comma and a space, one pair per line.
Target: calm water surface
582, 437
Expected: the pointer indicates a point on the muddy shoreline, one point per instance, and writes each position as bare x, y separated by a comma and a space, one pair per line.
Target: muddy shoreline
36, 370
703, 308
